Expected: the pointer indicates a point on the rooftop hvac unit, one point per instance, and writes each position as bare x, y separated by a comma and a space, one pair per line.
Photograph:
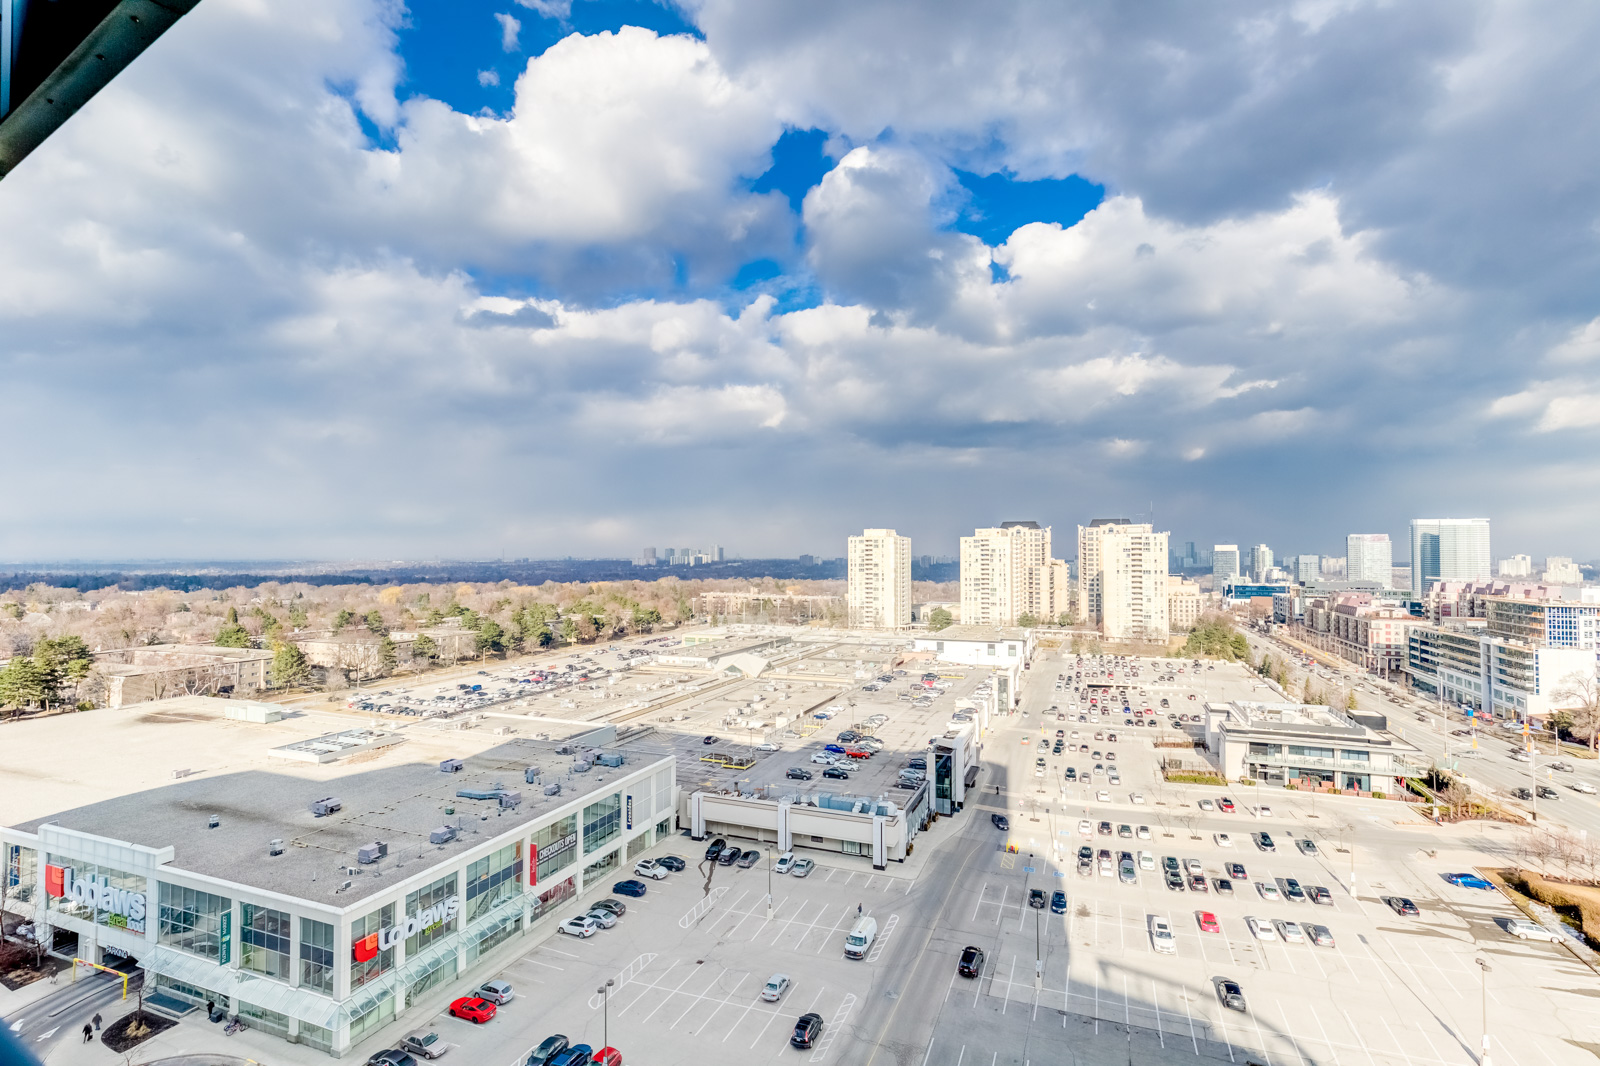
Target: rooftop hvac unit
213, 822
442, 835
553, 788
344, 887
477, 793
530, 775
451, 766
324, 807
510, 799
372, 852
581, 766
613, 759
275, 846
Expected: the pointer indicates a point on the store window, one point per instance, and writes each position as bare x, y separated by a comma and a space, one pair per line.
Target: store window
1354, 756
268, 1021
316, 1036
316, 955
100, 894
553, 897
602, 822
369, 960
494, 879
374, 1017
21, 873
639, 844
194, 921
555, 847
432, 897
265, 934
663, 828
606, 862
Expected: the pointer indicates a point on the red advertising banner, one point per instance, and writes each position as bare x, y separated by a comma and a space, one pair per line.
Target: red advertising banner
55, 880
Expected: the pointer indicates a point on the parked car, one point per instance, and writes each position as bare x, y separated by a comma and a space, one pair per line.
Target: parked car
1232, 995
708, 740
473, 1009
1223, 840
833, 773
1207, 922
391, 1057
714, 849
802, 867
1526, 929
1269, 891
1308, 846
775, 987
606, 1056
1222, 886
548, 1049
1161, 937
784, 864
749, 859
576, 1055
1289, 931
649, 868
603, 918
795, 773
1292, 890
425, 1042
1058, 902
1036, 898
582, 926
1321, 895
1260, 928
729, 856
1236, 871
806, 1031
1401, 905
615, 906
497, 992
971, 964
1320, 936
1264, 842
637, 888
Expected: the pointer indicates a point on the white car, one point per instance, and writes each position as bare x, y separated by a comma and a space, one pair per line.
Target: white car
1223, 840
1269, 891
1582, 786
1207, 805
775, 987
1143, 832
1260, 928
1289, 931
1264, 811
785, 863
651, 869
1147, 861
824, 758
1193, 866
581, 926
1524, 929
1137, 797
1103, 796
767, 745
1161, 937
1086, 827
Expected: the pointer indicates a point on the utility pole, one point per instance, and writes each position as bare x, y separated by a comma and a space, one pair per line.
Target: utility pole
1483, 965
604, 992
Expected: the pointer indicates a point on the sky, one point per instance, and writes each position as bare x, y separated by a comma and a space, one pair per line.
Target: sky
361, 279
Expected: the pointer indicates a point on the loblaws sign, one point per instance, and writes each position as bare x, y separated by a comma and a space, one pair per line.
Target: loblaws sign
98, 894
368, 946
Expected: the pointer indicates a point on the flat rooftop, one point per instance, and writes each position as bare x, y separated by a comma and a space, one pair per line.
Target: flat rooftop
123, 786
976, 633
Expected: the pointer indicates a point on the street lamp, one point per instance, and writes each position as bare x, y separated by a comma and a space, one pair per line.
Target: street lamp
1483, 965
769, 882
604, 992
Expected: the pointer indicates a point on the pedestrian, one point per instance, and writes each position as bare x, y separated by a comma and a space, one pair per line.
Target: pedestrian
858, 910
97, 1021
88, 1032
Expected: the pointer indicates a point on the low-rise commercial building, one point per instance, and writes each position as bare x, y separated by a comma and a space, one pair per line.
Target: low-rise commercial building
316, 900
1306, 745
1466, 664
1004, 650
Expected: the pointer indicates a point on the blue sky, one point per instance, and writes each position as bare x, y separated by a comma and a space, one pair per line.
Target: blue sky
549, 278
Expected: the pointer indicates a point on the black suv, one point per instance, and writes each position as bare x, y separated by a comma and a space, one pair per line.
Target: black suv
806, 1030
971, 962
716, 848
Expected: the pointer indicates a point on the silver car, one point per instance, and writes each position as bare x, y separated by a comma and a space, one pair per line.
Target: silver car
424, 1043
497, 992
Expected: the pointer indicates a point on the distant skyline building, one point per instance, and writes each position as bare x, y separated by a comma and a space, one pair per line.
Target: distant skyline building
1449, 549
1369, 557
1122, 579
878, 592
1517, 566
1006, 573
1307, 568
1224, 565
1261, 562
1561, 570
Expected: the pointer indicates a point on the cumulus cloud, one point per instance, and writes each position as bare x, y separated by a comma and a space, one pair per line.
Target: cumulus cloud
1294, 267
510, 27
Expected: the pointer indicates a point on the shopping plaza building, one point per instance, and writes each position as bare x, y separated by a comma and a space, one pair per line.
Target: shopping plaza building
315, 879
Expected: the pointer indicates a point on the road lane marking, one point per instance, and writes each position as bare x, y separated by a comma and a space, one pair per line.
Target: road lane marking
843, 1014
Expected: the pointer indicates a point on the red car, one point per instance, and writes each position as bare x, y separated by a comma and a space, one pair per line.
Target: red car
1208, 922
473, 1009
858, 753
1225, 804
607, 1056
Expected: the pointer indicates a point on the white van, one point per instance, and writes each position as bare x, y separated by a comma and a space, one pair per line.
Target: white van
859, 941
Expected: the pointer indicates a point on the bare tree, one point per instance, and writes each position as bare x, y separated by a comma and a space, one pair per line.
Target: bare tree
1581, 694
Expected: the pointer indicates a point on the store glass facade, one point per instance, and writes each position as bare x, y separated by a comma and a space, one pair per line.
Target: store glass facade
555, 847
316, 955
264, 934
602, 822
21, 872
553, 897
367, 961
195, 921
494, 879
421, 900
71, 885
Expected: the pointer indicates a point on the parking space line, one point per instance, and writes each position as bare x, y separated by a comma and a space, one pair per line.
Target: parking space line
883, 937
952, 985
1001, 906
1294, 1041
1227, 1037
843, 1014
748, 1008
668, 997
1155, 999
771, 1014
982, 889
723, 1002
1399, 1048
645, 990
1009, 982
835, 928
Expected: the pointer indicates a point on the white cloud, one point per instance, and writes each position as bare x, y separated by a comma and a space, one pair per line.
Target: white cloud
487, 78
510, 27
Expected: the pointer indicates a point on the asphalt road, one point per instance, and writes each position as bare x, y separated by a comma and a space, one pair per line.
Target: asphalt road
61, 1015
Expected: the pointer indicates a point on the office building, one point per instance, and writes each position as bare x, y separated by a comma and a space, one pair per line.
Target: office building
1224, 565
1467, 664
878, 594
1517, 566
1369, 557
1007, 574
318, 886
1307, 568
1122, 579
1448, 549
1333, 567
1261, 563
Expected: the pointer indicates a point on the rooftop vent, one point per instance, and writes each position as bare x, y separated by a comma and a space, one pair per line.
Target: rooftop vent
213, 822
553, 788
442, 835
510, 799
324, 807
451, 766
275, 846
372, 852
530, 775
